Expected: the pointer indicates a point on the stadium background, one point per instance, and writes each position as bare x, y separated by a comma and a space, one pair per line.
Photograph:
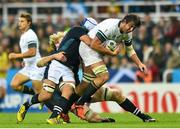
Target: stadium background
157, 43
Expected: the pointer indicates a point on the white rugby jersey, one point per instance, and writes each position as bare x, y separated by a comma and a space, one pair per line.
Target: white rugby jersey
109, 30
27, 38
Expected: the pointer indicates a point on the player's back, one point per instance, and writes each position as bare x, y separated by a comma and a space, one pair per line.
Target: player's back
70, 45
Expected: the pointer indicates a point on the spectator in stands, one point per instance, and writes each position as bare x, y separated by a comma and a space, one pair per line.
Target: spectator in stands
157, 37
4, 66
173, 29
49, 26
76, 7
113, 10
176, 43
10, 26
144, 78
141, 40
162, 24
154, 69
149, 24
1, 22
59, 23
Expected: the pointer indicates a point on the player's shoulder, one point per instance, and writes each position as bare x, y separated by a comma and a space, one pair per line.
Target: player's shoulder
30, 33
110, 20
78, 28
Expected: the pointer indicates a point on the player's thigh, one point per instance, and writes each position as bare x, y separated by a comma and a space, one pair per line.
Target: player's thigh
2, 92
80, 89
67, 88
88, 76
37, 85
19, 79
47, 91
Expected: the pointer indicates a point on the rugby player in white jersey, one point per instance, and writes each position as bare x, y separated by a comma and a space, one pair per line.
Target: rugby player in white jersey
29, 46
121, 32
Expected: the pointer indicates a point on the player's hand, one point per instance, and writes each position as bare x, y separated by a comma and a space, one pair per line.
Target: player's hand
143, 68
60, 56
12, 56
116, 51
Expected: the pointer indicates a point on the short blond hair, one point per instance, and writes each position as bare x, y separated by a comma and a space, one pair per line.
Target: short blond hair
27, 16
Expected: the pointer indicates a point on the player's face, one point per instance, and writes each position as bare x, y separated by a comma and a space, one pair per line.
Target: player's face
127, 27
23, 24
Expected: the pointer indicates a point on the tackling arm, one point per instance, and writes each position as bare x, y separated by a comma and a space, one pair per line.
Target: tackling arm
45, 60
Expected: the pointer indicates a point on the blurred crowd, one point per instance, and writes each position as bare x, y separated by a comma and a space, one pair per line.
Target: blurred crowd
11, 1
156, 43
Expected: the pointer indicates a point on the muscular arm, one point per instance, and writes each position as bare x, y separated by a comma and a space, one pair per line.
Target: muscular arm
96, 44
30, 53
86, 39
139, 64
45, 60
132, 54
135, 59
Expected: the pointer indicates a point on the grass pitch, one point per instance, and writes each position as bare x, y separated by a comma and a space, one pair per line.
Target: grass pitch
123, 120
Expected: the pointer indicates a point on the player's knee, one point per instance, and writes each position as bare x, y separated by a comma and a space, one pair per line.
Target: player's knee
67, 89
15, 86
117, 95
2, 92
45, 95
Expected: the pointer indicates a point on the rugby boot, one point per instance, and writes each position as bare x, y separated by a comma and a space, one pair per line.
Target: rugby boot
22, 112
65, 117
147, 118
56, 120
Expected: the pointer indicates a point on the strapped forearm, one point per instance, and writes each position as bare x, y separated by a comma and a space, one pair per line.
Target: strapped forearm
45, 60
130, 50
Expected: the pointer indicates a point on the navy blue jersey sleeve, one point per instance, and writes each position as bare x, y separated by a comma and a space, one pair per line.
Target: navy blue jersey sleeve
78, 32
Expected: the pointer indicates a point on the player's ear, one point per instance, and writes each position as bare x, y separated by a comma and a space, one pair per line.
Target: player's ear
29, 23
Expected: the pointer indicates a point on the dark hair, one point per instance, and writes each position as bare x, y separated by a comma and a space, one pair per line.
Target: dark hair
132, 18
27, 16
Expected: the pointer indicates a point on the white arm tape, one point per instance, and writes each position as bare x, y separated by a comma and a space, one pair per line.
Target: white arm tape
130, 50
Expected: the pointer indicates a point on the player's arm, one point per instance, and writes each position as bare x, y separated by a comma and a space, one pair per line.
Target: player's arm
86, 39
97, 45
45, 60
30, 53
132, 54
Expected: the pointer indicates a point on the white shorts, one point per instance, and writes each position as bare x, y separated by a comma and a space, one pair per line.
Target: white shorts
3, 82
88, 55
33, 72
57, 70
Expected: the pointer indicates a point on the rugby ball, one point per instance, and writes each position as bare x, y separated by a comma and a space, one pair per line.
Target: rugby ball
111, 45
